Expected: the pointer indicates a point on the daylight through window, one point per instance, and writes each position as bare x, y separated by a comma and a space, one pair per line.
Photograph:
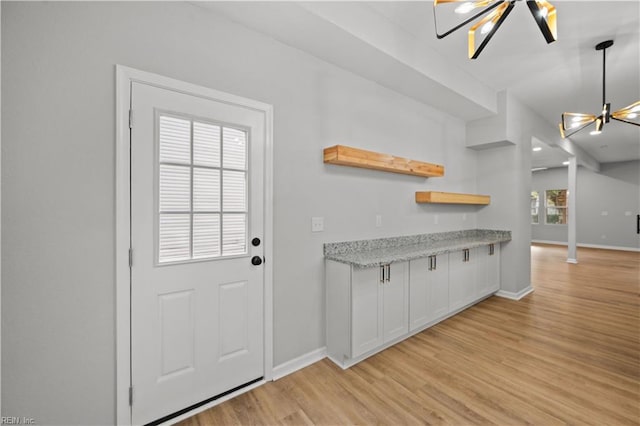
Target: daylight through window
202, 190
556, 206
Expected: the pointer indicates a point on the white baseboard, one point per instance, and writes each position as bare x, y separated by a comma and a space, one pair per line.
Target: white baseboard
515, 296
298, 363
597, 246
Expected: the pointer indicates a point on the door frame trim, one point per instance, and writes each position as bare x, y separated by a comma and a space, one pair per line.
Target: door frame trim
124, 77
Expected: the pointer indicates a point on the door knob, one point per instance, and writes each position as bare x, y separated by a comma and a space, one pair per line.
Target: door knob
256, 260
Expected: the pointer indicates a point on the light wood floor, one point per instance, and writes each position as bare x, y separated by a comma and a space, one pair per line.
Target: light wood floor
566, 354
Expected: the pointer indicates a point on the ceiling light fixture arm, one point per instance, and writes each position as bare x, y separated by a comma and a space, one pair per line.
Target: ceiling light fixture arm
625, 121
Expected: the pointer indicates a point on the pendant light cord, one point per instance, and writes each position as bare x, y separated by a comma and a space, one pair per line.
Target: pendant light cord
604, 70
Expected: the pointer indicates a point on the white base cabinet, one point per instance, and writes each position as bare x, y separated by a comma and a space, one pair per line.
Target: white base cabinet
474, 274
369, 309
366, 308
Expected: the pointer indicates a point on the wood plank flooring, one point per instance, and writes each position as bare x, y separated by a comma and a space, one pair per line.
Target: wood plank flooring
569, 353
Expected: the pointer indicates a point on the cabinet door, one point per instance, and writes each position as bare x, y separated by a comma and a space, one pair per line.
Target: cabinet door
439, 287
395, 291
366, 310
419, 292
488, 270
462, 278
493, 269
428, 290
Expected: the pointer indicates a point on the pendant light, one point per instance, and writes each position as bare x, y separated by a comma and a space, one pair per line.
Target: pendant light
573, 122
455, 14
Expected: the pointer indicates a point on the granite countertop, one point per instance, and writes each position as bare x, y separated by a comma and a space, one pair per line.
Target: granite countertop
368, 253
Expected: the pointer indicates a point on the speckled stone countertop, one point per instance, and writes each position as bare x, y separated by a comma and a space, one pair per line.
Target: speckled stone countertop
368, 253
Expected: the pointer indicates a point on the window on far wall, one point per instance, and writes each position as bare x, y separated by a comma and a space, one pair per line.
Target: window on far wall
535, 203
556, 206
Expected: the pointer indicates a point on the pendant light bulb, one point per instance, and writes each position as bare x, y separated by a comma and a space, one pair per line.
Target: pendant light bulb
486, 27
544, 12
464, 8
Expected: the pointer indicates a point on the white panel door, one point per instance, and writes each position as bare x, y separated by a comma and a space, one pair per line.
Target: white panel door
462, 278
488, 269
366, 310
439, 287
428, 289
419, 270
395, 316
196, 205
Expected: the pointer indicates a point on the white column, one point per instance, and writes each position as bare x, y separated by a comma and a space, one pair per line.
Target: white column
572, 255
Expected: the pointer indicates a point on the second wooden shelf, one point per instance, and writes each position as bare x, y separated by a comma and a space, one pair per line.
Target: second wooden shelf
451, 198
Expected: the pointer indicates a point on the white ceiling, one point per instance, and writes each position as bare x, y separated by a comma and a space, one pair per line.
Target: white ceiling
550, 78
564, 76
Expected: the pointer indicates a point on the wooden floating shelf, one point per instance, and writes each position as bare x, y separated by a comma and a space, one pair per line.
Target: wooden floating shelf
354, 157
451, 198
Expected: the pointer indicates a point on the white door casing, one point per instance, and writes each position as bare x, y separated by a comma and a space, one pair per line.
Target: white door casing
203, 327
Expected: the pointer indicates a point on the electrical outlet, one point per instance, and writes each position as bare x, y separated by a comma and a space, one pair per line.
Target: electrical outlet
464, 217
378, 221
435, 219
317, 224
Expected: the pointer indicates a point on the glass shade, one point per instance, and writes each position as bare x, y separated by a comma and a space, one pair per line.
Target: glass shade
629, 114
573, 122
545, 15
481, 32
451, 15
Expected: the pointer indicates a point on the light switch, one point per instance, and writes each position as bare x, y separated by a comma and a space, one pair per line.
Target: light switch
464, 217
317, 224
605, 213
378, 221
627, 213
435, 219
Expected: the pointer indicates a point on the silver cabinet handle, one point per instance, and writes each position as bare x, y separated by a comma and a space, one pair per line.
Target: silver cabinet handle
382, 274
388, 272
465, 255
433, 262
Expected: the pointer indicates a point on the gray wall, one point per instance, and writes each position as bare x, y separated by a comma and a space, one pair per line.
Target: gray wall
505, 174
607, 205
58, 173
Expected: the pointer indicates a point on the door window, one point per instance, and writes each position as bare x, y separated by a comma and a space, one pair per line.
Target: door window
202, 189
